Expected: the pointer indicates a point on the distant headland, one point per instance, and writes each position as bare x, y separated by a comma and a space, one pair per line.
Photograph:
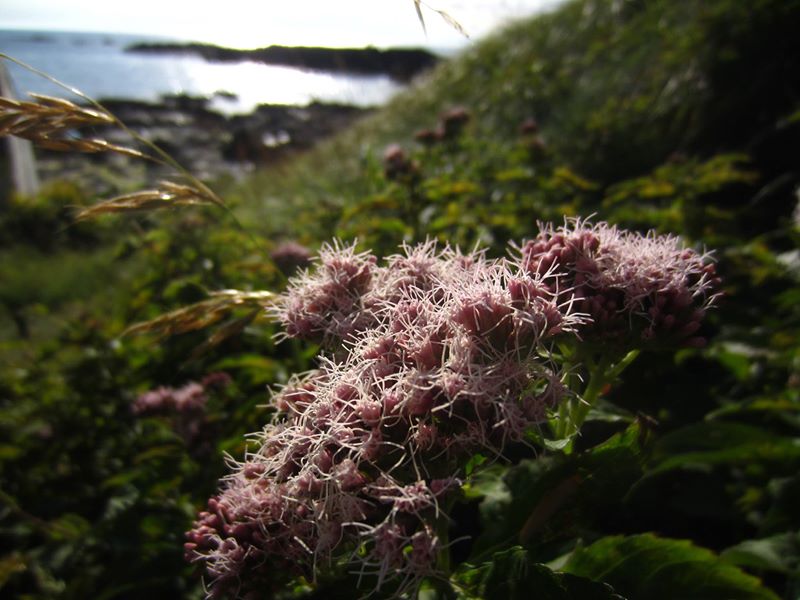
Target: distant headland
399, 63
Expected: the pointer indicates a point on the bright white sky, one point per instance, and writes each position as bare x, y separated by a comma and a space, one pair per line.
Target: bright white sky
257, 23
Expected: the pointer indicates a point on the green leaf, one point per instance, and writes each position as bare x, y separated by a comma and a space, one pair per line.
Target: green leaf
512, 575
487, 484
9, 452
646, 566
780, 553
476, 461
69, 527
538, 493
785, 409
708, 444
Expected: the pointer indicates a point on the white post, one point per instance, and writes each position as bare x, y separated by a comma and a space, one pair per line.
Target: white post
24, 178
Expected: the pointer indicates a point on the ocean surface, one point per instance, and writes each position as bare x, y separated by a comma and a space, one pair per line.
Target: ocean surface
98, 65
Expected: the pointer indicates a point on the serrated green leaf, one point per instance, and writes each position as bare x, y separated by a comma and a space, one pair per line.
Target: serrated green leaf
476, 461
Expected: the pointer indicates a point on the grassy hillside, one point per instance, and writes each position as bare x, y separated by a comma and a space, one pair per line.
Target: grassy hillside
617, 88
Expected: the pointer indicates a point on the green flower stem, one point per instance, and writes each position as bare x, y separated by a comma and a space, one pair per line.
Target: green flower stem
443, 559
615, 370
582, 404
573, 413
565, 409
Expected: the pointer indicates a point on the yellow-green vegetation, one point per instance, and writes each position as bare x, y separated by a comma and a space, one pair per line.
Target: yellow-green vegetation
616, 89
676, 116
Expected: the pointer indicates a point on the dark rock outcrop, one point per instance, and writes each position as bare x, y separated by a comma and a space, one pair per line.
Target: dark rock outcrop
399, 63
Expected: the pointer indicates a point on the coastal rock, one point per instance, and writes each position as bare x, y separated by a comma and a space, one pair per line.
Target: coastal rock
207, 143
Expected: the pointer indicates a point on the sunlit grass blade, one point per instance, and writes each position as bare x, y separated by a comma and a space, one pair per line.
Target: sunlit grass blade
50, 123
452, 22
46, 117
46, 121
167, 195
418, 7
203, 314
88, 146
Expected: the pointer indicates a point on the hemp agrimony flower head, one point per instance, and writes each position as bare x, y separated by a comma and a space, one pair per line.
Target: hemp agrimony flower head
440, 356
328, 304
636, 288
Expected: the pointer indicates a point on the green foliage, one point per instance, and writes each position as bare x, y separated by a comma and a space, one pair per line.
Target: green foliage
682, 195
511, 574
466, 192
45, 222
617, 88
94, 499
779, 553
645, 566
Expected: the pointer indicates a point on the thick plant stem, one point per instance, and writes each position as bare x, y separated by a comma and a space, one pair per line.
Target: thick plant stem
442, 585
443, 534
443, 556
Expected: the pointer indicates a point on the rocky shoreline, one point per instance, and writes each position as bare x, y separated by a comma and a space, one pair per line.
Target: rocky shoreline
207, 143
211, 144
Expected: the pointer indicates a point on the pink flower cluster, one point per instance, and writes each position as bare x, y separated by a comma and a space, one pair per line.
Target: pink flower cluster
189, 398
432, 356
328, 304
636, 288
397, 166
289, 256
439, 356
452, 123
186, 405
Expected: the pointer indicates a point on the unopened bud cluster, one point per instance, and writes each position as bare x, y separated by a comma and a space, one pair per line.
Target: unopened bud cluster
636, 288
451, 126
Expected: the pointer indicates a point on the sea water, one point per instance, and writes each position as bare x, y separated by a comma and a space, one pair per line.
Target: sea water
99, 66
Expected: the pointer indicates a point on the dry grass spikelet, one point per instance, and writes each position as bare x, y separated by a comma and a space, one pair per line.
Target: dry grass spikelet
48, 121
167, 194
452, 22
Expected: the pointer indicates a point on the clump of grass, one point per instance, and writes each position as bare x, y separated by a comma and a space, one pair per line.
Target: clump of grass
50, 122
